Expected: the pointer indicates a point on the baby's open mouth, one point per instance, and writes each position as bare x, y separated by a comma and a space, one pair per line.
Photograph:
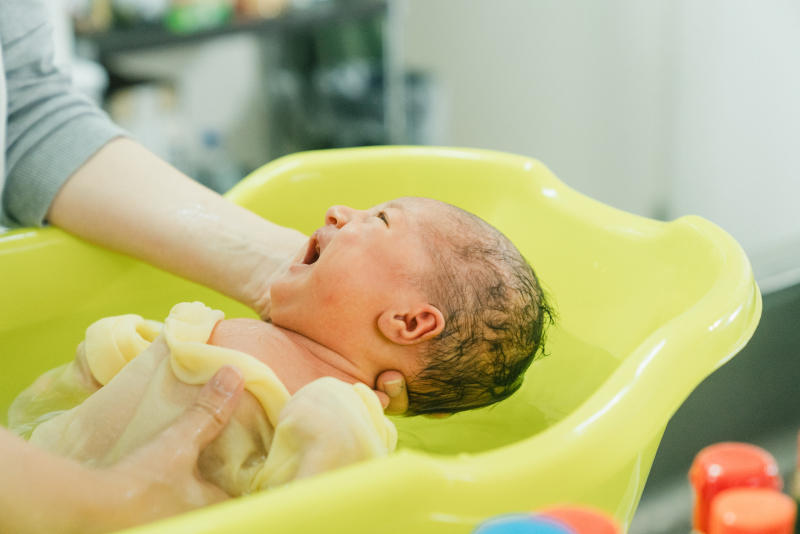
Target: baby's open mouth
312, 253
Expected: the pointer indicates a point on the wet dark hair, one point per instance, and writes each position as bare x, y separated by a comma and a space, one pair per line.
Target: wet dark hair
495, 317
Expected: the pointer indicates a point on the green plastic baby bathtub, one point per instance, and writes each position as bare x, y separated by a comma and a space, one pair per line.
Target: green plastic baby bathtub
646, 310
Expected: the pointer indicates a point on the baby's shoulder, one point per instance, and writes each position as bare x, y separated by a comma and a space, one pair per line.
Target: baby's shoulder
251, 336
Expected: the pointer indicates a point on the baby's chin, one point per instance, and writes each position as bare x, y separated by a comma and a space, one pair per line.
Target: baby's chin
280, 319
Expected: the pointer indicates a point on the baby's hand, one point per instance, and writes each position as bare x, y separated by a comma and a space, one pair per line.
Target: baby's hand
390, 387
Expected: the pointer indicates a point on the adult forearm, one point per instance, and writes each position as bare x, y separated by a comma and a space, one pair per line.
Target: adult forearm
127, 199
43, 493
39, 492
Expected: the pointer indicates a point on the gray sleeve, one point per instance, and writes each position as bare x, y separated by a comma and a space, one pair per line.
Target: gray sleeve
51, 129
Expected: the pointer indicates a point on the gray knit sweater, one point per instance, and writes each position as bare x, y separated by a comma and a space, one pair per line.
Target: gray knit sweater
48, 130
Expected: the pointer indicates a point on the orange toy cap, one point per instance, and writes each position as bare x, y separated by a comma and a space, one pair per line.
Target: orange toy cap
729, 465
795, 489
582, 520
752, 511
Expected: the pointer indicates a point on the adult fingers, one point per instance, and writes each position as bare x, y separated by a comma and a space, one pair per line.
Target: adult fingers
202, 422
210, 493
393, 384
382, 397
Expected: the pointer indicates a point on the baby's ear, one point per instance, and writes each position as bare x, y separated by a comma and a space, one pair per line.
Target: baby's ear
406, 327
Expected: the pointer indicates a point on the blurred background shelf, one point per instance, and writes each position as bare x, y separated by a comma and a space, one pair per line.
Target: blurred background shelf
151, 35
218, 94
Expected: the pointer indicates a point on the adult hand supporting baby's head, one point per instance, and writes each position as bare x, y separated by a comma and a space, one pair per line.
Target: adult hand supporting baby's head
390, 386
258, 292
161, 479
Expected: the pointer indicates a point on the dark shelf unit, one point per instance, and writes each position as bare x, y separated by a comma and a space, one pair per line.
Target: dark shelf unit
300, 44
149, 36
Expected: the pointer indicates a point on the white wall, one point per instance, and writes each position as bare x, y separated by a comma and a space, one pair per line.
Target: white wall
578, 85
735, 152
659, 108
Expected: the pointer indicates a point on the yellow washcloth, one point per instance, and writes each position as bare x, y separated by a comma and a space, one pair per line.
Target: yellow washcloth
137, 377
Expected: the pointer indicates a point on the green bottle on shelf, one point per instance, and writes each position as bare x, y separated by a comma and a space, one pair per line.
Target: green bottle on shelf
188, 17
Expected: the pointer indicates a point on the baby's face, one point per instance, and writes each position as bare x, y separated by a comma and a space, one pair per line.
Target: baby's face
351, 269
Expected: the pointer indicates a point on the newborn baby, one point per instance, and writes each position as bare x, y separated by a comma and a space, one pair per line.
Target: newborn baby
414, 285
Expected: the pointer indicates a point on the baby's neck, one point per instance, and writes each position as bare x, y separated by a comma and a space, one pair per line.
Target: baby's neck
294, 358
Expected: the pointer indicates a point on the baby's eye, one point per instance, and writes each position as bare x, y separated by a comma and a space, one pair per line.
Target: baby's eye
382, 216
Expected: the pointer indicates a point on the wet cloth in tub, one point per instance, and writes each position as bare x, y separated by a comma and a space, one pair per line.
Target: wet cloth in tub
132, 377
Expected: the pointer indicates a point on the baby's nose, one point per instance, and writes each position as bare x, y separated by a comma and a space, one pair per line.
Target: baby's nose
338, 216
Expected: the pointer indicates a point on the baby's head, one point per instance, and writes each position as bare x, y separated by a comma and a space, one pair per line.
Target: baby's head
423, 287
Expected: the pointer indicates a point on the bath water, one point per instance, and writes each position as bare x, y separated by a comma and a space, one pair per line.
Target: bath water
554, 386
